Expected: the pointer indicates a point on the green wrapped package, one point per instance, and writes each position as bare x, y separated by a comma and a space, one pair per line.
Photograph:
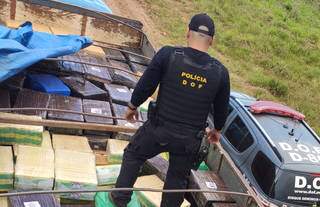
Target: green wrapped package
152, 199
108, 174
203, 167
34, 169
102, 200
11, 134
6, 168
75, 171
115, 150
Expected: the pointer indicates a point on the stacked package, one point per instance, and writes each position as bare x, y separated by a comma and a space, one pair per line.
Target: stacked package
34, 168
20, 134
74, 171
119, 111
4, 202
6, 168
108, 174
46, 143
115, 150
152, 199
37, 200
71, 143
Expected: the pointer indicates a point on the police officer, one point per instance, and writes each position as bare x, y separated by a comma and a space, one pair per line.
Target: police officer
191, 84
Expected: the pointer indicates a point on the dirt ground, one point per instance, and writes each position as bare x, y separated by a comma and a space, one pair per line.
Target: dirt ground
136, 9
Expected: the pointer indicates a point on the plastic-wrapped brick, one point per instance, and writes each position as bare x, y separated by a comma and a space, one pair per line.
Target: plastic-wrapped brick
119, 94
84, 88
119, 111
36, 200
115, 150
115, 55
71, 143
34, 168
152, 199
96, 73
99, 108
74, 171
65, 103
29, 98
71, 67
108, 174
121, 77
6, 168
5, 99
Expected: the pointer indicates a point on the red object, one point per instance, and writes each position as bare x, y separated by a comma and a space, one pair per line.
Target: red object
315, 174
259, 107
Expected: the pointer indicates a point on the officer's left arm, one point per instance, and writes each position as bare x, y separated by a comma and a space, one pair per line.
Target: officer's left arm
221, 101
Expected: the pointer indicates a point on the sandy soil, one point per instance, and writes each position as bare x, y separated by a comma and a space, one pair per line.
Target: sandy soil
136, 9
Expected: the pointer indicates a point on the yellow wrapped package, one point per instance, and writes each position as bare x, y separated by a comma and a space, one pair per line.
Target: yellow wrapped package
6, 168
34, 168
152, 199
73, 171
115, 150
72, 143
46, 143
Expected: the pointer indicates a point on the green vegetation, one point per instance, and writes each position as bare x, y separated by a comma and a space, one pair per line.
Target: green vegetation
271, 47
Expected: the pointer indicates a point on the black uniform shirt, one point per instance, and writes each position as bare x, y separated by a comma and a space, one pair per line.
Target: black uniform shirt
152, 77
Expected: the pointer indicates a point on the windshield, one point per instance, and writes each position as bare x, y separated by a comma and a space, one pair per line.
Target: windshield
297, 188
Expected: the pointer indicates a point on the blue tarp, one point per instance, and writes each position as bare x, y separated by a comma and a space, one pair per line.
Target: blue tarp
95, 5
20, 48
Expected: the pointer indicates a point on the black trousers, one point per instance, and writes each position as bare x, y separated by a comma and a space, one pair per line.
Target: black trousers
150, 140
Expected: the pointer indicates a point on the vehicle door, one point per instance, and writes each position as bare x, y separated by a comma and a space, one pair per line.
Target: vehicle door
238, 136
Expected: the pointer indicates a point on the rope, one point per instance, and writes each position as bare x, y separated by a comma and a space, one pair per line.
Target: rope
63, 111
93, 64
125, 189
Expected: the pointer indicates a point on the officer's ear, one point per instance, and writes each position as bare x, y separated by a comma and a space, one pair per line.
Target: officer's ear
188, 34
211, 41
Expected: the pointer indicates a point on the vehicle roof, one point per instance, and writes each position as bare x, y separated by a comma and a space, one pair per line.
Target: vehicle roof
298, 147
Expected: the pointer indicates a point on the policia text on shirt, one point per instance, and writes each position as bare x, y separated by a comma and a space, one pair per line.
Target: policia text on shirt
191, 84
192, 80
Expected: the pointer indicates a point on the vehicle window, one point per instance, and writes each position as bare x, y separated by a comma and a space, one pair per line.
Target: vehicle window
238, 135
264, 172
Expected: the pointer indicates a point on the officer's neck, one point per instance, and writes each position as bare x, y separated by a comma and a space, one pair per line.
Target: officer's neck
200, 47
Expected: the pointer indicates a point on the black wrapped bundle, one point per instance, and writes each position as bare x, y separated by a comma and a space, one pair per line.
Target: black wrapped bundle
65, 103
156, 165
115, 55
33, 99
137, 59
96, 73
118, 94
14, 85
99, 108
84, 89
4, 99
71, 67
119, 111
135, 67
40, 200
121, 77
208, 180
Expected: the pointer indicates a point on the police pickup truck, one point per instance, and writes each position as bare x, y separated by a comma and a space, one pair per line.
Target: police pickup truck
275, 150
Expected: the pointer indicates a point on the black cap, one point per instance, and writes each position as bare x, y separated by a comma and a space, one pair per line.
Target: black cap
202, 23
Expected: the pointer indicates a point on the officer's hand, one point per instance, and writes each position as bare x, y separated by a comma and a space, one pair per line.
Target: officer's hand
132, 116
213, 135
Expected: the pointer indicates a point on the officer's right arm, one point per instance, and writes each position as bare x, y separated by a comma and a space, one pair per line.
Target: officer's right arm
151, 77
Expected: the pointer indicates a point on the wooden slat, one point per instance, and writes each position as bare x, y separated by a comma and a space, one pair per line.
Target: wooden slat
36, 121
